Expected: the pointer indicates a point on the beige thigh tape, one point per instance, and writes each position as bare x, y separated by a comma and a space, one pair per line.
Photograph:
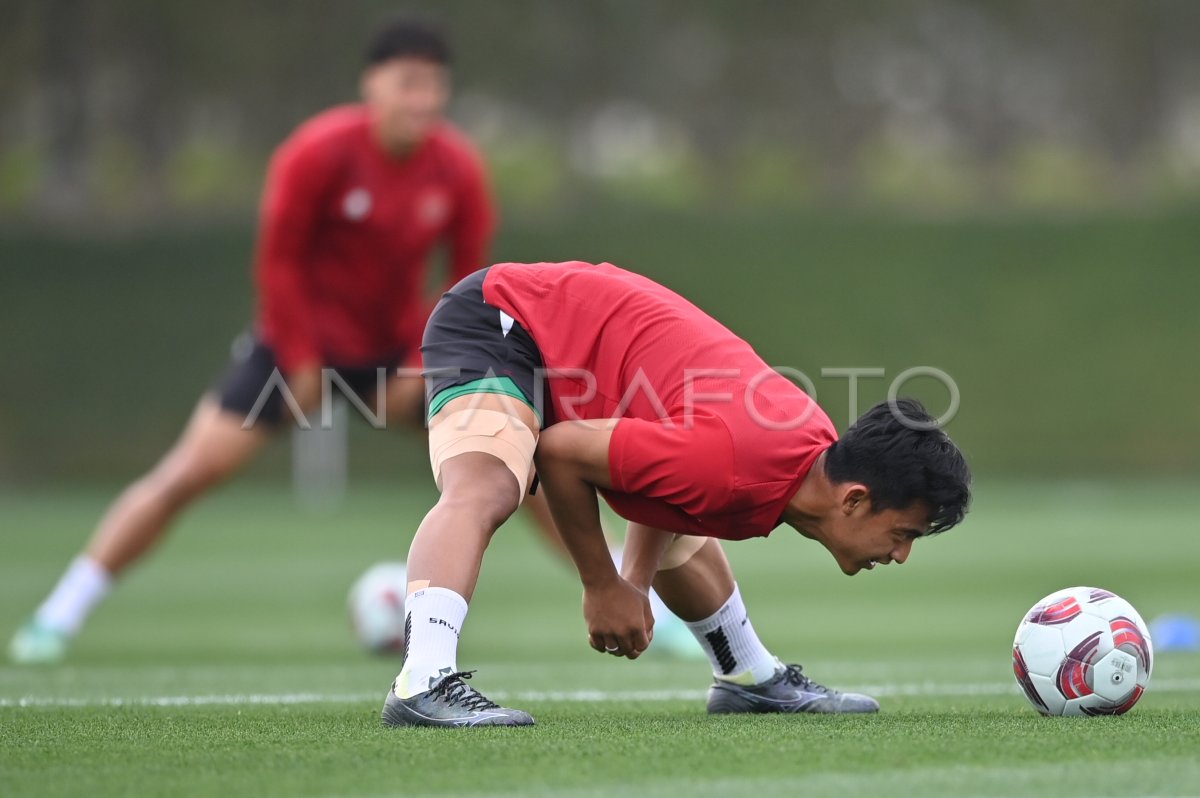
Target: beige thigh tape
489, 431
680, 550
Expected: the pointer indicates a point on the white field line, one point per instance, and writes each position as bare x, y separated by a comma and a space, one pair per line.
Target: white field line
932, 689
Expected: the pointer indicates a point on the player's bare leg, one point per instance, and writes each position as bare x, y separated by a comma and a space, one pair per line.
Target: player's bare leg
696, 581
212, 447
479, 445
405, 398
698, 587
405, 404
478, 495
538, 513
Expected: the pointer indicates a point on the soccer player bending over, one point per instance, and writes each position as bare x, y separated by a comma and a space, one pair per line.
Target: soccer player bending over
626, 388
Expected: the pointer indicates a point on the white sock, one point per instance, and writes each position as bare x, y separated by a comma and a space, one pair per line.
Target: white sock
434, 619
736, 653
77, 593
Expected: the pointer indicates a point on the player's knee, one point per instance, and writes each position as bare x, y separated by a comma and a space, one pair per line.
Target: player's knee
680, 551
485, 455
184, 476
486, 489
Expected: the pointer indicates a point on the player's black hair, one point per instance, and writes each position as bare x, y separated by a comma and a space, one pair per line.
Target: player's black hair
408, 38
897, 450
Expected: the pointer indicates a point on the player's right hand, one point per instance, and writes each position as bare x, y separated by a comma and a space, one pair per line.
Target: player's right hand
619, 619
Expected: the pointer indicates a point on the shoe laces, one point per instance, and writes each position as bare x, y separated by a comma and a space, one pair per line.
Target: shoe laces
455, 690
794, 674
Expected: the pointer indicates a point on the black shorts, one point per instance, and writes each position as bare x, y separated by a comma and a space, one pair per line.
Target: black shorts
250, 371
469, 343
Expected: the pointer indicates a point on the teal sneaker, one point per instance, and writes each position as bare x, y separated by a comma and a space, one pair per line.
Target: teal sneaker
36, 644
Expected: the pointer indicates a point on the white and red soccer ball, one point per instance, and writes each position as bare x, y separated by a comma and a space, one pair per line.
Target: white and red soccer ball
376, 604
1082, 651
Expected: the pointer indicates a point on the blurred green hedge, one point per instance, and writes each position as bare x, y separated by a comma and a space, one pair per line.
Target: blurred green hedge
1072, 339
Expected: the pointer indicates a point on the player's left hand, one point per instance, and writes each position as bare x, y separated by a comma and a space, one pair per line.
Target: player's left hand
619, 619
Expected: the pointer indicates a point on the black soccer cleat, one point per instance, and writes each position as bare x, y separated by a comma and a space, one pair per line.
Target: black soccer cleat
789, 690
451, 702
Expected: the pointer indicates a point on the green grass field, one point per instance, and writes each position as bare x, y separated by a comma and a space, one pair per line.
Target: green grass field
226, 666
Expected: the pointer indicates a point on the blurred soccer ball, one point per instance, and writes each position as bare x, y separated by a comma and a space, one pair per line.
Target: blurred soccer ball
1082, 651
377, 607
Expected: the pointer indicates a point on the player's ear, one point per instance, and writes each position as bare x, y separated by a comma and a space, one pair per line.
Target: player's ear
368, 80
855, 497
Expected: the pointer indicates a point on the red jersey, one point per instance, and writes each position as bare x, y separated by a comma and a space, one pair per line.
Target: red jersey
346, 231
711, 440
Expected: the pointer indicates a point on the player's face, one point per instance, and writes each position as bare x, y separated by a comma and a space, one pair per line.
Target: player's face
406, 97
860, 539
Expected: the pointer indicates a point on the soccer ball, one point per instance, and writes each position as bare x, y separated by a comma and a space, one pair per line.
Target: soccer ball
376, 604
1082, 651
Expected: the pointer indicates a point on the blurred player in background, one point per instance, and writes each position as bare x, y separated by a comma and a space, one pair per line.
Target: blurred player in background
687, 433
355, 202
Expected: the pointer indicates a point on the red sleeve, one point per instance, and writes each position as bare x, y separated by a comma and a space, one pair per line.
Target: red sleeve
297, 180
474, 220
689, 466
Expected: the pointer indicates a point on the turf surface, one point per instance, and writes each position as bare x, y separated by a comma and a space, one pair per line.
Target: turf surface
225, 666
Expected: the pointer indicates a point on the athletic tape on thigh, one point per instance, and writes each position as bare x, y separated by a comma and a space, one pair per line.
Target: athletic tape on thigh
489, 431
680, 550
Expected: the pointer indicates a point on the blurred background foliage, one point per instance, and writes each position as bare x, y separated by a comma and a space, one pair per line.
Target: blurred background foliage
135, 108
1007, 191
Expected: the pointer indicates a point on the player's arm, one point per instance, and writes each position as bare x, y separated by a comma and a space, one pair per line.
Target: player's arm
572, 461
296, 183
